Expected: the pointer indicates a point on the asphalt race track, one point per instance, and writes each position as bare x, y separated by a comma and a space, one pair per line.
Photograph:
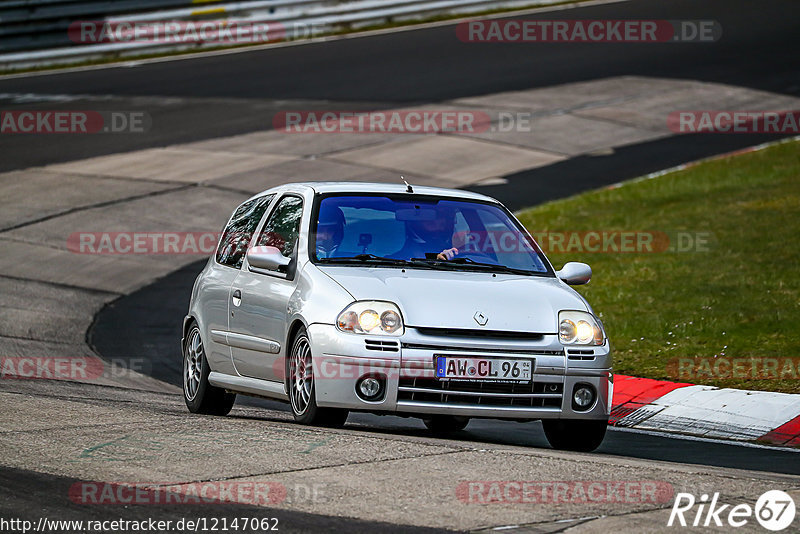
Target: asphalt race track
236, 93
225, 95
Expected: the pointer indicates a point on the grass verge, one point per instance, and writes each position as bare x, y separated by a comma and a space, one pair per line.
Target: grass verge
698, 316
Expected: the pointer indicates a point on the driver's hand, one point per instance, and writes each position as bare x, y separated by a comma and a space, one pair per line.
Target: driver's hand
448, 254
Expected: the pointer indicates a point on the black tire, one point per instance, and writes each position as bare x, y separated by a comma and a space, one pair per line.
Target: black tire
445, 424
199, 395
302, 390
575, 435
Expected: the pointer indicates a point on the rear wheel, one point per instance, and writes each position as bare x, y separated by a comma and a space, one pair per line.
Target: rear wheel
574, 435
302, 392
199, 395
445, 424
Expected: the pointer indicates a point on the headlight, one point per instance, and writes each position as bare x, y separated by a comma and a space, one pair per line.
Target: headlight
371, 317
580, 328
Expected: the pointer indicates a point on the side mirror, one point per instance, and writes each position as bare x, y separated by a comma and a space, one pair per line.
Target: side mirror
267, 258
575, 273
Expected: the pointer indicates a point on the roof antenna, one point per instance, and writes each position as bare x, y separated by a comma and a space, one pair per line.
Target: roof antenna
409, 189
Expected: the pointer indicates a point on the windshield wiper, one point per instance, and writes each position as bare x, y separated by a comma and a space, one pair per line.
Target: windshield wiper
454, 264
460, 262
366, 258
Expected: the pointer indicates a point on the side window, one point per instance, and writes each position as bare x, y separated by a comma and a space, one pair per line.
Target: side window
236, 236
283, 226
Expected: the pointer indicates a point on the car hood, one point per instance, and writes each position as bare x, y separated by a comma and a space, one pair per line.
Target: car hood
447, 299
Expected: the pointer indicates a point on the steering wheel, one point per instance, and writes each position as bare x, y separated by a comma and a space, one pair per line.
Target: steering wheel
477, 256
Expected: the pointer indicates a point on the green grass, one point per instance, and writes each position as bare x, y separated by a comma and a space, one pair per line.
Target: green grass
738, 299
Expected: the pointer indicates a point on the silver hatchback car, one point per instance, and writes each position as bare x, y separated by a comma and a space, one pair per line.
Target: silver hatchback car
394, 299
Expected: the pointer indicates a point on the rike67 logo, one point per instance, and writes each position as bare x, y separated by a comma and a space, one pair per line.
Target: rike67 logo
774, 510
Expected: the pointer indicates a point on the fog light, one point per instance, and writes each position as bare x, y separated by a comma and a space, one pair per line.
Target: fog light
370, 388
583, 397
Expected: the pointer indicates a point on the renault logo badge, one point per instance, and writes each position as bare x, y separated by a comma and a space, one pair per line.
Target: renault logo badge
480, 318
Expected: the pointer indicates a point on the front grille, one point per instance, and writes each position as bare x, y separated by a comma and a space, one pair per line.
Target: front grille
494, 334
467, 348
382, 345
531, 395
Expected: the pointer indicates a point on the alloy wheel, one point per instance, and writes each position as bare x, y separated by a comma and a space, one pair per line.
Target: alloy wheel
193, 364
301, 375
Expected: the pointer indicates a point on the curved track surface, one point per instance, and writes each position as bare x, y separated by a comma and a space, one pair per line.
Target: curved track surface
147, 325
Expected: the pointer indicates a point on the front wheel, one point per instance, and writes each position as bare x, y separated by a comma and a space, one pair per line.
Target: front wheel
574, 435
302, 392
199, 395
445, 424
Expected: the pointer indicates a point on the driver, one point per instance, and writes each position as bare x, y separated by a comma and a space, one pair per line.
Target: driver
431, 236
330, 232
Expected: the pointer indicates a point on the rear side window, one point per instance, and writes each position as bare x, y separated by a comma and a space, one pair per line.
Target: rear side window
283, 226
236, 236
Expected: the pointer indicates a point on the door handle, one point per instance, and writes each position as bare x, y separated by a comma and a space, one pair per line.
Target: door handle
237, 297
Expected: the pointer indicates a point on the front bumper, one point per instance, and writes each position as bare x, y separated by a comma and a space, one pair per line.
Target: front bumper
407, 365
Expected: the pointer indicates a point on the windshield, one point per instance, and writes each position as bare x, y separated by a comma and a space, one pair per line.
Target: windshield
423, 232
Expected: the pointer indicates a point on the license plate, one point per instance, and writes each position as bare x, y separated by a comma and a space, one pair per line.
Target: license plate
483, 369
